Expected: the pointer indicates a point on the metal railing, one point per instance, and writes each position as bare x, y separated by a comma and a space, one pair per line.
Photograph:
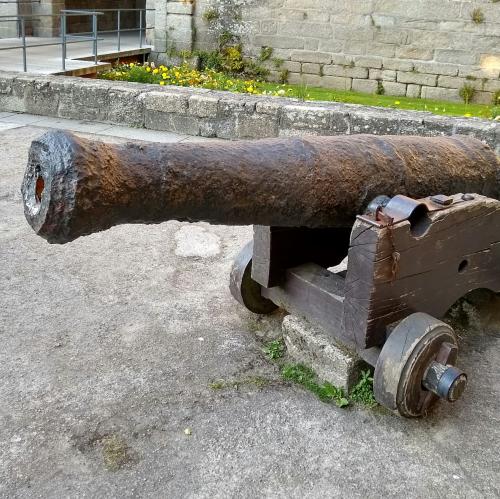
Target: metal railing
69, 38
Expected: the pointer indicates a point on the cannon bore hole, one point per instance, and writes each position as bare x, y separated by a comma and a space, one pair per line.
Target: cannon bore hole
463, 265
39, 187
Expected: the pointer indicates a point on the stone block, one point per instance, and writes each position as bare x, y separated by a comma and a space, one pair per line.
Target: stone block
88, 100
375, 121
306, 29
366, 86
398, 64
382, 74
203, 106
171, 122
396, 89
330, 359
410, 52
306, 117
492, 86
185, 8
368, 62
337, 82
413, 90
439, 93
480, 97
456, 56
345, 71
312, 44
250, 126
292, 66
166, 102
342, 60
456, 82
41, 97
310, 56
438, 68
280, 42
418, 78
382, 49
311, 68
125, 107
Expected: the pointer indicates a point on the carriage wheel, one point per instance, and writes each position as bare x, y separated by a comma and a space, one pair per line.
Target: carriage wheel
415, 366
243, 288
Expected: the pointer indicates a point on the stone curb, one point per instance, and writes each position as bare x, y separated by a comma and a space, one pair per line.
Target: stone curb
315, 348
219, 114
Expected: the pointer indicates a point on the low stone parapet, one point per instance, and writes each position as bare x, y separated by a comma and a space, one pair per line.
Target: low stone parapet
219, 114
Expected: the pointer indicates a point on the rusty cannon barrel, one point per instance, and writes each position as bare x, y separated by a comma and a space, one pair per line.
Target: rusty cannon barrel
74, 186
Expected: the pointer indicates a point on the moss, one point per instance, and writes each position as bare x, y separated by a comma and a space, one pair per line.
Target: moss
115, 451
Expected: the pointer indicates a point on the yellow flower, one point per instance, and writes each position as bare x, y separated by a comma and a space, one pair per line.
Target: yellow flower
467, 115
148, 69
155, 71
164, 76
131, 64
162, 82
250, 89
397, 102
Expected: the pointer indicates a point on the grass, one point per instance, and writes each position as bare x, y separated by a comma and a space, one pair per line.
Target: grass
305, 376
407, 103
275, 349
115, 452
362, 393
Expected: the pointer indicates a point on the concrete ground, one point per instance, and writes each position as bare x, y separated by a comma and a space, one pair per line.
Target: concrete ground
48, 59
108, 349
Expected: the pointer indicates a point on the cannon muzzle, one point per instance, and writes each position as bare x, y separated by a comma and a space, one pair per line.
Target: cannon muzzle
74, 186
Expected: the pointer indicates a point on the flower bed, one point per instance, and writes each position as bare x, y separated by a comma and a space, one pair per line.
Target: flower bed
186, 76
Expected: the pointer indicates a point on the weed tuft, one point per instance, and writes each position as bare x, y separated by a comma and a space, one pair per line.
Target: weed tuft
362, 393
275, 349
305, 376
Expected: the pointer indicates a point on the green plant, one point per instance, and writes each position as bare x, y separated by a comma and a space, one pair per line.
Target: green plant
466, 93
380, 90
305, 376
471, 78
210, 15
496, 98
495, 113
301, 91
477, 16
277, 62
275, 349
363, 391
265, 54
283, 76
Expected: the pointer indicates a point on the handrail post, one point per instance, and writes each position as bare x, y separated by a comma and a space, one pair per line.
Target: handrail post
94, 29
140, 29
119, 28
63, 35
23, 36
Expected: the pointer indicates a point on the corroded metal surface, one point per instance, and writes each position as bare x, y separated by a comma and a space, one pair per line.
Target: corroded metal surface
74, 186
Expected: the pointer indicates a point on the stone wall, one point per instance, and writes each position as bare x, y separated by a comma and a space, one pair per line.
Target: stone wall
8, 29
219, 114
418, 48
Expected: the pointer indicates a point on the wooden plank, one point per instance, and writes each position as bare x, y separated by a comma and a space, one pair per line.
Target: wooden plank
312, 291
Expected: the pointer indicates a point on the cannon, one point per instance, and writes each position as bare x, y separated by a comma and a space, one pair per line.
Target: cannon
417, 218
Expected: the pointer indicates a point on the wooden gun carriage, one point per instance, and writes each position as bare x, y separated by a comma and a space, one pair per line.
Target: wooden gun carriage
411, 254
409, 261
